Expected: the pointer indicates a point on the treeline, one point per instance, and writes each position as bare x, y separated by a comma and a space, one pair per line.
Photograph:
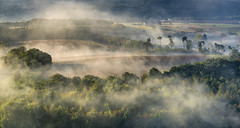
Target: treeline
37, 31
156, 99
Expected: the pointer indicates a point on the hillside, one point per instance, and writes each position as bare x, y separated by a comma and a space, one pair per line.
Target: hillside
198, 9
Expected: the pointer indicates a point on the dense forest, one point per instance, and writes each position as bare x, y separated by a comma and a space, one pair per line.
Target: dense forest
203, 94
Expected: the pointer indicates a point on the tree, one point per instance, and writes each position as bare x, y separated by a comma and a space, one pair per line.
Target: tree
189, 44
235, 54
147, 44
76, 80
160, 38
200, 46
58, 80
130, 78
219, 48
171, 43
154, 73
32, 58
204, 37
183, 40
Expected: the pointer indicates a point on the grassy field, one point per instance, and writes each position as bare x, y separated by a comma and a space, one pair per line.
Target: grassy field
139, 26
191, 27
217, 56
217, 25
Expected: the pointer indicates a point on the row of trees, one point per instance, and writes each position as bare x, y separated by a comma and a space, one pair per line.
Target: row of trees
187, 44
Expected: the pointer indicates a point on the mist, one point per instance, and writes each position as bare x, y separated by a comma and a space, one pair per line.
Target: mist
99, 73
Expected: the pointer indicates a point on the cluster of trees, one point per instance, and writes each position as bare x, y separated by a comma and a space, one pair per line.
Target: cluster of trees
187, 44
124, 101
32, 58
201, 39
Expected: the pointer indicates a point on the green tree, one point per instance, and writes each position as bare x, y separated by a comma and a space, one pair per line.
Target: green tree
58, 80
130, 78
200, 46
154, 73
183, 41
171, 43
204, 37
234, 54
189, 44
147, 45
32, 58
160, 39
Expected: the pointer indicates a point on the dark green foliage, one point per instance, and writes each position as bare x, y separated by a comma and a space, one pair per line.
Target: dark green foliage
235, 54
76, 80
32, 58
189, 44
155, 73
171, 43
212, 71
147, 45
59, 80
126, 102
130, 78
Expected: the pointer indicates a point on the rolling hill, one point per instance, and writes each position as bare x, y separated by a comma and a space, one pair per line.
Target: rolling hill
198, 9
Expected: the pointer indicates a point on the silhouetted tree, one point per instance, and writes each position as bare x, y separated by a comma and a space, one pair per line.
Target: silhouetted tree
234, 54
160, 39
204, 37
154, 73
183, 40
200, 46
171, 43
219, 47
147, 45
189, 44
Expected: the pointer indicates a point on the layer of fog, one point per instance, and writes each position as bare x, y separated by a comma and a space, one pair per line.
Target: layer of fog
73, 10
182, 101
73, 58
7, 83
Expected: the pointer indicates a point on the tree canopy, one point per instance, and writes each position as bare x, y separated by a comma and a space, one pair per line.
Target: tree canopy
32, 58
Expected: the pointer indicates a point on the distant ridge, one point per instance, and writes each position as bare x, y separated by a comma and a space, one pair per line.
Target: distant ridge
197, 9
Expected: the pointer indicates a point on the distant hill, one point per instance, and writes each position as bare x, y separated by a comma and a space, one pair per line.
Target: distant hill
198, 9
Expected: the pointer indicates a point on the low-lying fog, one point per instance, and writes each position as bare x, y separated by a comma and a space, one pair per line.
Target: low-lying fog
78, 59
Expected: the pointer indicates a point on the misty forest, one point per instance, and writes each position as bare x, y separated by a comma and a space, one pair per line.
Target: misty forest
120, 64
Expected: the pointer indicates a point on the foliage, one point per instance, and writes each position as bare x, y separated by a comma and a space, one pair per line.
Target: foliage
234, 54
147, 45
32, 58
169, 99
171, 43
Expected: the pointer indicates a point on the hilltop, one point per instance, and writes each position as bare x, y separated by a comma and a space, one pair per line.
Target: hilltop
197, 9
